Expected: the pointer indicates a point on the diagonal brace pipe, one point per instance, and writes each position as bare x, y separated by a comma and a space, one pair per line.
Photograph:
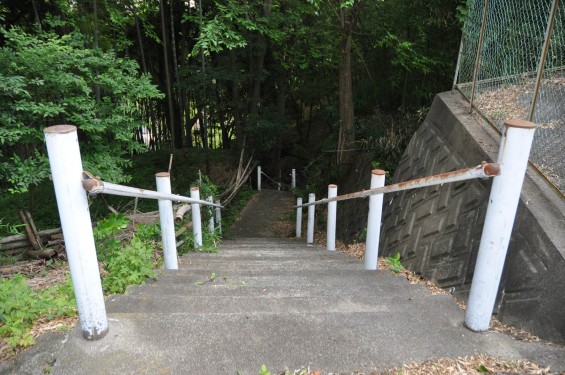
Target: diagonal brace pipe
480, 171
94, 185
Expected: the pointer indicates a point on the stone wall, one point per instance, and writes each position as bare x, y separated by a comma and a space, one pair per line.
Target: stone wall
437, 229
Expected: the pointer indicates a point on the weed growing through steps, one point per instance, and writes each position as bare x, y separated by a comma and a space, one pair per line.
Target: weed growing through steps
395, 265
264, 370
214, 277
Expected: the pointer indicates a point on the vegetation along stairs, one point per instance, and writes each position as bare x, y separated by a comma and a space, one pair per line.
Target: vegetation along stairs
280, 303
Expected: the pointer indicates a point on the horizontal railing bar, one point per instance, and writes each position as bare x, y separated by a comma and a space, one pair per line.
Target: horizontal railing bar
95, 186
480, 171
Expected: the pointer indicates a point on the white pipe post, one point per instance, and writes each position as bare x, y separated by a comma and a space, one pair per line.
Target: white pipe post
298, 218
258, 178
374, 221
311, 214
166, 219
211, 214
196, 219
219, 217
293, 183
66, 172
501, 211
332, 214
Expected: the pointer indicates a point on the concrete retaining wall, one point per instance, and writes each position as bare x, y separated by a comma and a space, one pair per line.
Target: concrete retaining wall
437, 230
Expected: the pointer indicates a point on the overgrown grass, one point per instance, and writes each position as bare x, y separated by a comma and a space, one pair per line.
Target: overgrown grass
128, 256
21, 307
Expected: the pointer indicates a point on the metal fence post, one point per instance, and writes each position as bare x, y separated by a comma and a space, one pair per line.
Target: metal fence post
501, 212
66, 171
311, 214
478, 58
196, 220
258, 177
293, 183
298, 218
332, 214
374, 221
211, 215
219, 217
166, 219
545, 49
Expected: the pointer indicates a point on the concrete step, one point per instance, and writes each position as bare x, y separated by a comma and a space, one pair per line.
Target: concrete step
271, 303
240, 343
260, 252
270, 263
253, 266
328, 279
283, 304
237, 286
232, 270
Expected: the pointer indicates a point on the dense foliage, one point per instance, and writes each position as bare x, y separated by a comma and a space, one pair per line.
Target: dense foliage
48, 79
290, 79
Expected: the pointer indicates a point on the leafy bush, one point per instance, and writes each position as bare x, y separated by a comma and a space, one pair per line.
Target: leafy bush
127, 261
105, 235
21, 306
131, 265
46, 80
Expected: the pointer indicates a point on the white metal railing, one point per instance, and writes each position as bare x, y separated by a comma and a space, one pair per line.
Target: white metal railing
508, 173
71, 184
279, 184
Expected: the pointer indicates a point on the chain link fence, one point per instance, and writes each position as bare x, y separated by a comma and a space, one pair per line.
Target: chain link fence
512, 65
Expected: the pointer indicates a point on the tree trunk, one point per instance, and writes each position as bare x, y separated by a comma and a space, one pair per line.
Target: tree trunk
36, 14
95, 11
180, 105
140, 42
236, 105
258, 65
346, 137
281, 115
168, 77
203, 124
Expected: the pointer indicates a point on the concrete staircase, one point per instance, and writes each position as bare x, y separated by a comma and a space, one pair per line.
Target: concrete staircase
280, 303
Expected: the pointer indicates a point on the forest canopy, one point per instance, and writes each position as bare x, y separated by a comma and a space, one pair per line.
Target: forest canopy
287, 76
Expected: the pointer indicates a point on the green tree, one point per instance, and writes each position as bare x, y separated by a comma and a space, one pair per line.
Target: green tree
47, 79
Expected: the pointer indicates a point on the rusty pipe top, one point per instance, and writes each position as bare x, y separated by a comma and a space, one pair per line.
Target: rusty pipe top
92, 185
515, 123
491, 169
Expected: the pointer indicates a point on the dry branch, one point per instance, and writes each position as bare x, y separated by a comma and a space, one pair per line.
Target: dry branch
181, 212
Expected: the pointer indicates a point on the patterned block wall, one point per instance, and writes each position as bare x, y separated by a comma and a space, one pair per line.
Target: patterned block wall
437, 229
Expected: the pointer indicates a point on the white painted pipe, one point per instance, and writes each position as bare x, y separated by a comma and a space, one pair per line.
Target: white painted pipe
311, 214
293, 184
219, 217
258, 177
166, 219
332, 215
374, 221
298, 217
95, 186
211, 215
196, 218
66, 172
501, 211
